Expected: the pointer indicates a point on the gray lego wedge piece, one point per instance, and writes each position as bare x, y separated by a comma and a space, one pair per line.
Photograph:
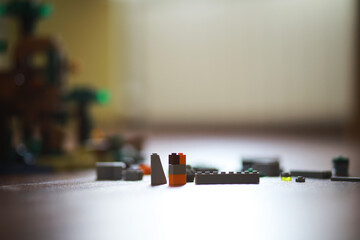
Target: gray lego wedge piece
133, 175
312, 174
109, 170
157, 171
227, 178
177, 169
346, 179
267, 166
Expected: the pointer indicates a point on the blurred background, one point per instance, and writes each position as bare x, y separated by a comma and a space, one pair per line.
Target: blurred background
237, 63
234, 65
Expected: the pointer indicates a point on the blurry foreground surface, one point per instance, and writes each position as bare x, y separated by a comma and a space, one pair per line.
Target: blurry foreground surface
75, 206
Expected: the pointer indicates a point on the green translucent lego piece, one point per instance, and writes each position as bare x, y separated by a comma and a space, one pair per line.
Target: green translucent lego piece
103, 96
3, 46
341, 159
2, 10
45, 10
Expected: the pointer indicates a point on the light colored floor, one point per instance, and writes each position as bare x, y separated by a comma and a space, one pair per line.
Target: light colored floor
75, 206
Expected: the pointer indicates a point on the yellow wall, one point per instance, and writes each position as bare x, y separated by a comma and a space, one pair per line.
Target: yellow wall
83, 27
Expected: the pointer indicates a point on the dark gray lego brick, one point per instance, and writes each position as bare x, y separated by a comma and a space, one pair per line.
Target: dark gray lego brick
267, 166
157, 172
109, 170
346, 179
312, 174
227, 178
300, 179
177, 169
133, 175
174, 159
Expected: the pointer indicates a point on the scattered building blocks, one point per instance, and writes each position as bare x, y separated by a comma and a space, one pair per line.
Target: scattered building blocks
145, 168
177, 169
190, 174
227, 178
346, 179
312, 174
157, 171
341, 166
267, 166
133, 174
109, 170
300, 179
286, 177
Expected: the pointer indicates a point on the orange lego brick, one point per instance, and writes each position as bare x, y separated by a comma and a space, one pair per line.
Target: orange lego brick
182, 160
177, 180
145, 168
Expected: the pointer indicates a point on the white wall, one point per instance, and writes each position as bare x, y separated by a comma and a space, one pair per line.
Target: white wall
241, 62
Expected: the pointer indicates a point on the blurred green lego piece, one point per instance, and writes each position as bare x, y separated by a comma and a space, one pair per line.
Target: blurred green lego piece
103, 96
3, 9
26, 8
3, 46
46, 10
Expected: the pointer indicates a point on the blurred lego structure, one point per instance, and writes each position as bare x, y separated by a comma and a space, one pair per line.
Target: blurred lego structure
35, 103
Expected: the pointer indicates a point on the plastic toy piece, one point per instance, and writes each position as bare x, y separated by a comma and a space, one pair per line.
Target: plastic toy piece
174, 159
109, 170
157, 171
341, 166
182, 159
190, 174
346, 179
286, 177
177, 180
312, 174
227, 178
145, 168
267, 166
177, 169
133, 174
300, 179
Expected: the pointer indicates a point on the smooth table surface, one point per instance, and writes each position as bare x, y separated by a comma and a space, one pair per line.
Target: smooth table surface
74, 205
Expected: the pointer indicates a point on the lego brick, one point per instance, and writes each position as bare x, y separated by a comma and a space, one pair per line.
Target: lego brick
227, 178
190, 177
312, 174
174, 159
341, 166
182, 159
145, 168
133, 174
286, 177
205, 168
177, 180
157, 171
177, 169
346, 179
190, 174
300, 179
109, 170
267, 166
